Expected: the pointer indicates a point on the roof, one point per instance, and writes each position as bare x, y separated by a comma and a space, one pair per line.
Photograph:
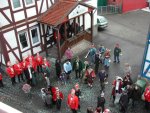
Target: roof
58, 13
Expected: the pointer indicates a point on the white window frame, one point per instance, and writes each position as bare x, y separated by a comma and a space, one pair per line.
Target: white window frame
27, 5
27, 38
35, 27
14, 9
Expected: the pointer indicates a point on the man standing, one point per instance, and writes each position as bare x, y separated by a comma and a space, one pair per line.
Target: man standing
39, 62
101, 101
69, 54
147, 97
10, 71
91, 54
73, 101
18, 70
117, 52
67, 68
77, 67
102, 77
57, 98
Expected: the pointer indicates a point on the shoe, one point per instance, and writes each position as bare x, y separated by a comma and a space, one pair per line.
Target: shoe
105, 82
114, 61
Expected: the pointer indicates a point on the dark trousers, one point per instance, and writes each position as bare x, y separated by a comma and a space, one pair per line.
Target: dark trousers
116, 58
20, 75
74, 111
147, 105
78, 73
68, 75
58, 104
13, 80
102, 85
39, 68
1, 83
96, 67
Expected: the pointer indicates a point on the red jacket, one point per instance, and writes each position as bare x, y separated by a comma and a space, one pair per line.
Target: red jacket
39, 60
147, 94
18, 68
120, 85
55, 96
10, 71
73, 102
1, 76
24, 64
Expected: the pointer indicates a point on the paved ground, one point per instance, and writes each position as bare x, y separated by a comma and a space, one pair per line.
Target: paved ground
129, 30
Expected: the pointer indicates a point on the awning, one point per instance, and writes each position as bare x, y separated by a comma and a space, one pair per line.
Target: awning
62, 11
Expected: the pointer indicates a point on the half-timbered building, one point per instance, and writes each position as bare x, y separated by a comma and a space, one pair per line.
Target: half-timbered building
25, 28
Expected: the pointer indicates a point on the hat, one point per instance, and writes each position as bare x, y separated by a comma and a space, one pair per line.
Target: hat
118, 78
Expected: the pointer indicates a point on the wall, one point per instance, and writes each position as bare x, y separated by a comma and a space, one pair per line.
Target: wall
129, 5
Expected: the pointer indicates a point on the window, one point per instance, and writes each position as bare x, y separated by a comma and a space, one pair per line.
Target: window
16, 3
35, 35
28, 2
23, 40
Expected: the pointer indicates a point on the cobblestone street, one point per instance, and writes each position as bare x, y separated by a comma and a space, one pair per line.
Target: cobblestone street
132, 41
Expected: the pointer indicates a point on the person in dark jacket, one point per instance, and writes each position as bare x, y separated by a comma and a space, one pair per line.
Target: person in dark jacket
123, 102
127, 80
101, 101
58, 68
102, 77
136, 95
77, 67
117, 52
97, 62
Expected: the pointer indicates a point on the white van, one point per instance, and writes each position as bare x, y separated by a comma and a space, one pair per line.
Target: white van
101, 22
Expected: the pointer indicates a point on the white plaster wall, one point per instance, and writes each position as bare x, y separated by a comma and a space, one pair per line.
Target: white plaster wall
39, 5
3, 20
11, 39
145, 66
148, 53
81, 20
21, 28
94, 4
44, 7
12, 58
7, 12
33, 24
49, 3
36, 49
25, 54
19, 16
17, 53
2, 59
87, 21
3, 3
31, 12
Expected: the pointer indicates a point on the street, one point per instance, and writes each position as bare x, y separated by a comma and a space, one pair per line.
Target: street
130, 31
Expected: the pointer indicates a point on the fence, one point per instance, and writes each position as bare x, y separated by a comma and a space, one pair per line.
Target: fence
109, 9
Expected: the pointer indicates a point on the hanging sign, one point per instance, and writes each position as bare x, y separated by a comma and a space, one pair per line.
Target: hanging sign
78, 11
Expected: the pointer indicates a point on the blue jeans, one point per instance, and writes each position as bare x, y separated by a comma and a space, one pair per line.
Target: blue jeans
116, 58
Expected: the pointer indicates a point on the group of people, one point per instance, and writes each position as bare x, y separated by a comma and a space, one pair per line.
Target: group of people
53, 96
28, 69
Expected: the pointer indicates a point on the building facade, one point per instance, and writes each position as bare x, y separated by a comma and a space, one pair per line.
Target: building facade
20, 32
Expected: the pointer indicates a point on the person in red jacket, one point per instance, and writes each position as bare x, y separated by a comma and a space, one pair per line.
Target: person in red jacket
39, 62
18, 70
1, 82
10, 71
29, 58
57, 98
25, 64
73, 101
147, 98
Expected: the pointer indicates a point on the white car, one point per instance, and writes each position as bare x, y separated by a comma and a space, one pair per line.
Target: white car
102, 22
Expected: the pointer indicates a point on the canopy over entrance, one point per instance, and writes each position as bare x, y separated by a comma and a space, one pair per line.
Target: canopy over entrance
64, 10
